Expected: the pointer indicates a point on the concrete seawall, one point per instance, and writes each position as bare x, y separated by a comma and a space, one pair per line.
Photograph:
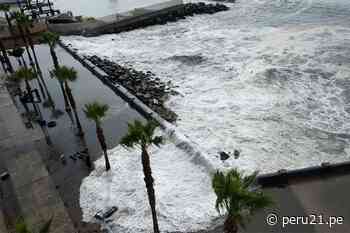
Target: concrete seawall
118, 22
162, 13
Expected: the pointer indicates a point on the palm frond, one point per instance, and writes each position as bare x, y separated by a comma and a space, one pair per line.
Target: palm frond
235, 196
256, 201
96, 111
49, 38
21, 227
4, 7
25, 74
22, 19
134, 134
158, 140
64, 73
16, 52
46, 227
249, 180
142, 134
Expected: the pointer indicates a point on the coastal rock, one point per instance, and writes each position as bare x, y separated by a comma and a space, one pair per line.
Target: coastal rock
149, 89
224, 156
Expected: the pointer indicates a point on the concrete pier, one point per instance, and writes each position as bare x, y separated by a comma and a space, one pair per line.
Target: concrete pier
118, 22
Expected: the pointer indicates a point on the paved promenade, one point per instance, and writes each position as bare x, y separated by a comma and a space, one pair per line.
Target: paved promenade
30, 186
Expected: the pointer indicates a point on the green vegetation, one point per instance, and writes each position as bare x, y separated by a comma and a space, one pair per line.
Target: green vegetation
21, 227
143, 135
51, 39
237, 199
96, 111
65, 75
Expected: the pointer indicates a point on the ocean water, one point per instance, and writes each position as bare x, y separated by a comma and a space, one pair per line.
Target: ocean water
269, 78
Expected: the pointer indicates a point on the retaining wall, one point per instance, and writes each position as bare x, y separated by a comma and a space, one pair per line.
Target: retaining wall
97, 27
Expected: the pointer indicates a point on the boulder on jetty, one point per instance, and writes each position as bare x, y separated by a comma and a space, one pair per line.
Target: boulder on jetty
144, 85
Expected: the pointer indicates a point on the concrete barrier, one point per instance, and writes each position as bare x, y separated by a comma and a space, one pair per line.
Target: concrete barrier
282, 177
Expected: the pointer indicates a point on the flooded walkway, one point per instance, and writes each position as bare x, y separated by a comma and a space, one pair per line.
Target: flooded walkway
67, 178
33, 194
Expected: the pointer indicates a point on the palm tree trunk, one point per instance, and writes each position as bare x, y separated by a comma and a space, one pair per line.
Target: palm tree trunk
31, 45
66, 103
3, 64
34, 64
54, 57
149, 186
49, 97
9, 24
56, 65
20, 29
73, 104
29, 92
230, 225
102, 140
19, 61
11, 29
86, 148
6, 58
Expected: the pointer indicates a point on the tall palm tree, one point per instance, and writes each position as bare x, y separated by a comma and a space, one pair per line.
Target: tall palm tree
26, 24
142, 135
51, 39
21, 227
18, 54
6, 8
96, 111
23, 23
65, 75
237, 198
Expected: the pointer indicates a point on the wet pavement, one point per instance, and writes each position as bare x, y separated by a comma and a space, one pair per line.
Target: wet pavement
28, 190
68, 177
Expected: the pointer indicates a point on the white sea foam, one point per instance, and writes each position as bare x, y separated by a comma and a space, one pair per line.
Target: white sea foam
185, 200
248, 79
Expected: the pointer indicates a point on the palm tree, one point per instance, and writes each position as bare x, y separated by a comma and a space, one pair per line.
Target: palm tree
236, 197
51, 39
6, 8
142, 135
23, 24
96, 111
18, 54
7, 61
21, 227
26, 75
65, 75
